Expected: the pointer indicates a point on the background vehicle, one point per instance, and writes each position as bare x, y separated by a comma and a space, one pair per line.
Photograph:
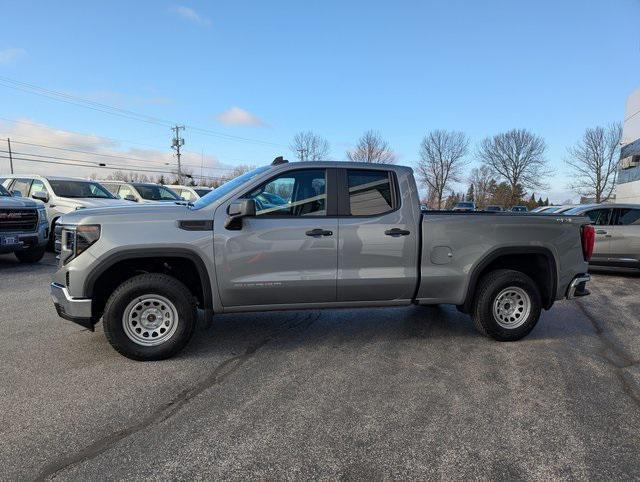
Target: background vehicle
190, 193
494, 208
347, 235
519, 209
24, 228
542, 209
617, 233
60, 195
465, 206
142, 192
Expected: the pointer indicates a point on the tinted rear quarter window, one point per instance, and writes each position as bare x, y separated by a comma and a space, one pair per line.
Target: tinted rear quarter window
370, 192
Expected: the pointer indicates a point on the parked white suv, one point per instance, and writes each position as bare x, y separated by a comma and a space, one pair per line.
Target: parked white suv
60, 195
142, 192
190, 193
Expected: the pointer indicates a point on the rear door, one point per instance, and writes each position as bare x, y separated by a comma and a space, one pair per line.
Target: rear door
287, 252
377, 258
625, 235
601, 220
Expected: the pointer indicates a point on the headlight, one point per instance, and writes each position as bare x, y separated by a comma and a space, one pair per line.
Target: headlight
76, 239
42, 214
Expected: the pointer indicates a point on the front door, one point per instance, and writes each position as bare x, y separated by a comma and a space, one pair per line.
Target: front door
600, 218
287, 253
378, 238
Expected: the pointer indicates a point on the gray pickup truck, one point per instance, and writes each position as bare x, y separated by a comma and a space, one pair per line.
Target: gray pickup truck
24, 228
308, 236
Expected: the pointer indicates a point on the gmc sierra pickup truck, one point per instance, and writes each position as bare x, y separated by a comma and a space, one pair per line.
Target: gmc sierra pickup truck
308, 236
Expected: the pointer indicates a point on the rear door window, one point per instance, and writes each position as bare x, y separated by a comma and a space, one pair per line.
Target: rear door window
370, 192
626, 217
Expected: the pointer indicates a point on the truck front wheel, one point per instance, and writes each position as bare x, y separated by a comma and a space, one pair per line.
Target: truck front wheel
507, 305
150, 317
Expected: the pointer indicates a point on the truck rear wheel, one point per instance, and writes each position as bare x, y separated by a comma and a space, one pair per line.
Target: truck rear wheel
150, 317
507, 305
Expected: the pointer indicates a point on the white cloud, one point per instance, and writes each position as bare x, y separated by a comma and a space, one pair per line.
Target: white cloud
191, 15
98, 149
10, 55
238, 116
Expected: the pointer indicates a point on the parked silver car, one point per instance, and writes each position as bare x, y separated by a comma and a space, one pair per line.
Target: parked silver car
61, 195
141, 192
617, 233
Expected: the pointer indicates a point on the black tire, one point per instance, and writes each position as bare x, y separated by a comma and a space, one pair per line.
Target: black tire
51, 243
31, 255
135, 289
513, 285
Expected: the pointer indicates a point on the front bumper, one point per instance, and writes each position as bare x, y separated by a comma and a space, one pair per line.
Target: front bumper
77, 310
578, 287
26, 241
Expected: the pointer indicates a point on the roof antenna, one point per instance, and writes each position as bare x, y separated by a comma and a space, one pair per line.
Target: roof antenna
279, 160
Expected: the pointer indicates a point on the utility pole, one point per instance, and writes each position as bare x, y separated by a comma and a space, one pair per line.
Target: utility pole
303, 153
10, 155
176, 144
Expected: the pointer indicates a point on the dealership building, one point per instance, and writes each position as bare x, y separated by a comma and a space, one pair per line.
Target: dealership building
628, 189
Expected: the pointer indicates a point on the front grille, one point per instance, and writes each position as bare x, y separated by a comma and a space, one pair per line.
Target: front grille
58, 238
12, 220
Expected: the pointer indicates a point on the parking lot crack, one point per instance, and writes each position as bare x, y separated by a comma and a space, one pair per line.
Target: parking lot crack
613, 355
223, 371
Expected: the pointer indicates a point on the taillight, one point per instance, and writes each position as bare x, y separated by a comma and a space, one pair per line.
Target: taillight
588, 236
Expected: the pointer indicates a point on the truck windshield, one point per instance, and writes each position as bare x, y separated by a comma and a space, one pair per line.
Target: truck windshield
227, 187
79, 189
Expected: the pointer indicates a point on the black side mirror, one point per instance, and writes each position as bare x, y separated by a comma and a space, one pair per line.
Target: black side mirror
16, 193
41, 196
130, 197
238, 210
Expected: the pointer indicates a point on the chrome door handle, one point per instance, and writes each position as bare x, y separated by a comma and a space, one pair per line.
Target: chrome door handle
319, 232
395, 232
601, 231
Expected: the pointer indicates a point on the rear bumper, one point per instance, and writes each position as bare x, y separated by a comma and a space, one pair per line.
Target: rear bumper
578, 286
77, 310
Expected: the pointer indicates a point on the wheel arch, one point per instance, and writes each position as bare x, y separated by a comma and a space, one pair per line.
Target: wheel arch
525, 259
149, 260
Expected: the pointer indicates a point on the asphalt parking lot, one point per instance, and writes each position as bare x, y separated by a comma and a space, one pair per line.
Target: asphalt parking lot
387, 393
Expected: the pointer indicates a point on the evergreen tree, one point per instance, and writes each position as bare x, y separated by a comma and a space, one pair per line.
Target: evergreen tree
471, 197
540, 202
546, 202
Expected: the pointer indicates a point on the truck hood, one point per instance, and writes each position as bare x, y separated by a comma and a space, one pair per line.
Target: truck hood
90, 202
133, 212
18, 202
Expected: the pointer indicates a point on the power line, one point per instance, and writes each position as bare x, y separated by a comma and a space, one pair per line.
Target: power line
107, 109
99, 167
111, 156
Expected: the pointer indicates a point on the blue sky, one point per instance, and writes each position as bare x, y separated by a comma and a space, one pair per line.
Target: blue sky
337, 68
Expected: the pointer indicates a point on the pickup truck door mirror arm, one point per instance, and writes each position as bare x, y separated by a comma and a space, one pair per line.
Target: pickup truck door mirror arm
237, 210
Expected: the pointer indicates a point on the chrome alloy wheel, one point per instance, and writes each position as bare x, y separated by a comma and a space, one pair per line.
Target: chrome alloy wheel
150, 320
511, 307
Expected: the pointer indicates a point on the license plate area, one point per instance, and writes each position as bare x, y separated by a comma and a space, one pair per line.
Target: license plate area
9, 241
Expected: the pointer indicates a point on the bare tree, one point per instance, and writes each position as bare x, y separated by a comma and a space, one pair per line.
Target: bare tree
593, 162
517, 156
307, 146
483, 181
442, 159
373, 148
